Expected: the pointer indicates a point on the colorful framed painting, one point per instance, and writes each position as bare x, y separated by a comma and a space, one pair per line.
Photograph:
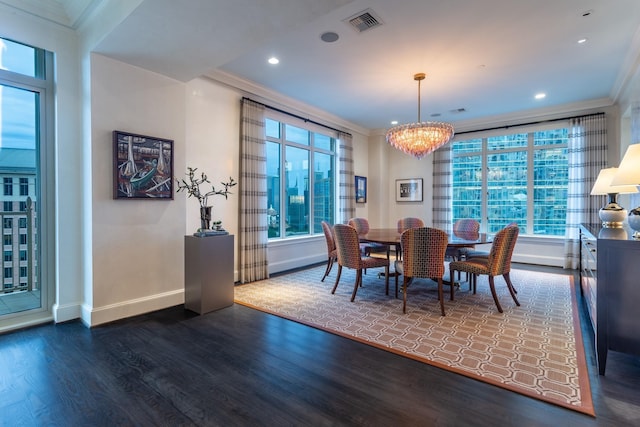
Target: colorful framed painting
142, 167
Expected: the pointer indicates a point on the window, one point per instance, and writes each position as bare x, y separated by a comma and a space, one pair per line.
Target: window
8, 272
7, 206
8, 239
8, 186
24, 186
23, 239
519, 177
8, 256
8, 223
23, 255
301, 178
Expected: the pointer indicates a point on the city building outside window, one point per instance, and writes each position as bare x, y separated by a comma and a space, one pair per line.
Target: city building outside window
301, 177
515, 177
24, 186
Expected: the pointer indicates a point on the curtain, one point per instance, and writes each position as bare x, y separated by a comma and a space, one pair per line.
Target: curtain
442, 188
253, 230
346, 185
587, 152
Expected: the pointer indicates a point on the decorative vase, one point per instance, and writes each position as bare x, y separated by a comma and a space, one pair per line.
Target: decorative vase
205, 217
634, 222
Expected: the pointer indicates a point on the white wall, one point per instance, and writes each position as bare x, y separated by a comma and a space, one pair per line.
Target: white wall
137, 245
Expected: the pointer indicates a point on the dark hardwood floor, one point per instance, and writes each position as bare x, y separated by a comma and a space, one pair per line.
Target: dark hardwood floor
238, 367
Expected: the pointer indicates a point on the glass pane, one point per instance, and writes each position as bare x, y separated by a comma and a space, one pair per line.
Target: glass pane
323, 191
323, 142
507, 141
297, 191
17, 58
467, 187
296, 134
507, 190
18, 125
470, 146
273, 188
551, 179
272, 128
550, 137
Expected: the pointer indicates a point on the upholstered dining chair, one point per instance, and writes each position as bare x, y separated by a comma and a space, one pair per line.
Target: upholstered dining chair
423, 252
362, 227
466, 228
332, 252
484, 254
497, 263
405, 224
350, 256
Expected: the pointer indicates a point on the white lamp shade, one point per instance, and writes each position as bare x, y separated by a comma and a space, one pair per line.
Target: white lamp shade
603, 184
629, 169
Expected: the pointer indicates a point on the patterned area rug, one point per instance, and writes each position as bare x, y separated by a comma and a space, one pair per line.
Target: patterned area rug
535, 349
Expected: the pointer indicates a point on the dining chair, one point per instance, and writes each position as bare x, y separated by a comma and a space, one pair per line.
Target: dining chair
497, 263
485, 254
350, 256
332, 252
423, 252
405, 224
362, 227
466, 228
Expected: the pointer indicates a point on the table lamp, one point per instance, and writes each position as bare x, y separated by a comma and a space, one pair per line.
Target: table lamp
612, 214
629, 174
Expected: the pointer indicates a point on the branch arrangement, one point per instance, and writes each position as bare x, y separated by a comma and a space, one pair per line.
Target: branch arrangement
191, 186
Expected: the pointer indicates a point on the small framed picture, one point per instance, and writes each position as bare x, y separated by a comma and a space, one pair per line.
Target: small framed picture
409, 190
361, 189
142, 167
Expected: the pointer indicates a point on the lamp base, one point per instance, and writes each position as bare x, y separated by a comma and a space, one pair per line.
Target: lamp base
634, 222
612, 215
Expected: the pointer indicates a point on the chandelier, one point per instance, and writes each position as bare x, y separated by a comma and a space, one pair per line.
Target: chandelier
421, 138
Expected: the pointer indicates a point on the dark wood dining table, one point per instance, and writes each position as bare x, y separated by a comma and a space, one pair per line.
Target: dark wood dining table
391, 237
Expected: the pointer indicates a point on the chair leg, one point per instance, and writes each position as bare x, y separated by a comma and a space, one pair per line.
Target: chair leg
493, 292
405, 285
386, 280
512, 290
452, 275
329, 266
333, 291
441, 294
396, 277
355, 286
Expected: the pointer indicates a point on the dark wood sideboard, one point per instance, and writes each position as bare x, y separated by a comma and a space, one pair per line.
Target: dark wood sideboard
610, 285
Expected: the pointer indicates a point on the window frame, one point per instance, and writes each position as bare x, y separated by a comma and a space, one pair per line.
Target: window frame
530, 149
289, 120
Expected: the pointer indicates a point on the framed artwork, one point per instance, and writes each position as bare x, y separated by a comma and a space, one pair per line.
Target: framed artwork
142, 167
361, 189
409, 190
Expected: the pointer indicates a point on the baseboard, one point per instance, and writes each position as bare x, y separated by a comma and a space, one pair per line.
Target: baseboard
92, 316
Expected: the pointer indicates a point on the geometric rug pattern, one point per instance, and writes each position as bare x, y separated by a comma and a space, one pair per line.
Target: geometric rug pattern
535, 349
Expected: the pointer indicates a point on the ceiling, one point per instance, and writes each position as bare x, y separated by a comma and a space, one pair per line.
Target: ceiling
483, 58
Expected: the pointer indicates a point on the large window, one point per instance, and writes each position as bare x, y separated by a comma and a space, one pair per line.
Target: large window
519, 177
301, 178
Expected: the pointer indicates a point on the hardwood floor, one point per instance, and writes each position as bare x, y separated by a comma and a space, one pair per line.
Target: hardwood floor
238, 366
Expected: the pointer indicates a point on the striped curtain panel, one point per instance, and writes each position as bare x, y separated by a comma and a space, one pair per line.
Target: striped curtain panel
253, 230
346, 185
442, 188
587, 153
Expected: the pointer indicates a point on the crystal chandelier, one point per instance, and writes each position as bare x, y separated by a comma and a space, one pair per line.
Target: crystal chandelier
421, 138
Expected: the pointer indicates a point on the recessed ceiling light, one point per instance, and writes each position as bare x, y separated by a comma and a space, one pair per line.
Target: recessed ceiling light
273, 60
581, 41
540, 95
394, 122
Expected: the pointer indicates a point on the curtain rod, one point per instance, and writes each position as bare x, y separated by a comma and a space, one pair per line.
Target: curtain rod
530, 123
304, 119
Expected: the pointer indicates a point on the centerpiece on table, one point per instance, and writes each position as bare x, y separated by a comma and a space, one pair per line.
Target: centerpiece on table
191, 186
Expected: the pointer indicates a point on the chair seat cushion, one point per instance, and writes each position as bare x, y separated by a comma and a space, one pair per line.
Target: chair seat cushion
476, 254
473, 266
372, 262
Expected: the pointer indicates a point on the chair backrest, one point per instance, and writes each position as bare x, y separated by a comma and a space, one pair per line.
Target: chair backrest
466, 228
328, 236
499, 261
423, 251
360, 224
409, 222
347, 245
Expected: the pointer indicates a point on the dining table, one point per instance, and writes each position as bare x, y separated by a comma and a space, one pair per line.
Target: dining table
391, 237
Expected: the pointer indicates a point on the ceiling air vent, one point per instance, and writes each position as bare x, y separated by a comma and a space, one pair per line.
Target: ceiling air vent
365, 20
